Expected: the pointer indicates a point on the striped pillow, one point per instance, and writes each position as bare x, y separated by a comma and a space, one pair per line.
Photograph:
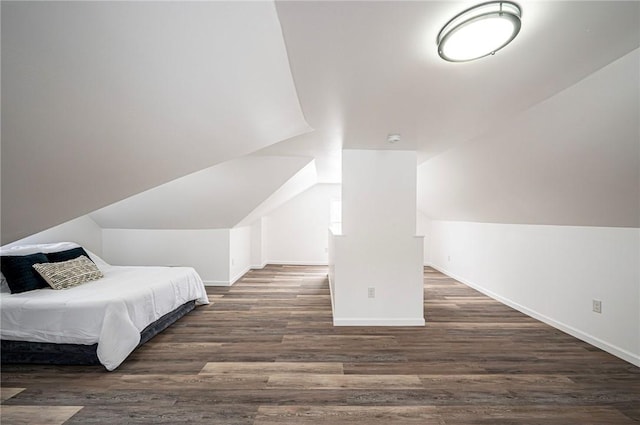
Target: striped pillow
67, 274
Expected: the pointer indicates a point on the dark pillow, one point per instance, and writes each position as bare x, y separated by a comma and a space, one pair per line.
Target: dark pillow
69, 254
20, 275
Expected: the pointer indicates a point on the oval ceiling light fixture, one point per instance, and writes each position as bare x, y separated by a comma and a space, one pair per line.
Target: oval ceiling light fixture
479, 31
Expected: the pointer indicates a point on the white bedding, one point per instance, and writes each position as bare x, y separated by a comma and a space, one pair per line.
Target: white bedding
110, 311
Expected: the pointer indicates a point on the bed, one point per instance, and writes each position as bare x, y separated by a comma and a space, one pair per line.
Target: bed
103, 320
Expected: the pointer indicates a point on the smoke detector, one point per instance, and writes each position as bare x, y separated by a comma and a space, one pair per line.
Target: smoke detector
393, 138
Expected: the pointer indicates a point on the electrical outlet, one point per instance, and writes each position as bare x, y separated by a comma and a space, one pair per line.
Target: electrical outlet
371, 292
448, 258
597, 306
233, 262
326, 250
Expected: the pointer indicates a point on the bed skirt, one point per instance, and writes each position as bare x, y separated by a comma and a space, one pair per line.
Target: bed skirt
78, 354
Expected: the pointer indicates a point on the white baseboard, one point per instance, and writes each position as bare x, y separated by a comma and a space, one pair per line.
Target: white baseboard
226, 282
237, 277
333, 310
258, 267
216, 283
588, 338
378, 322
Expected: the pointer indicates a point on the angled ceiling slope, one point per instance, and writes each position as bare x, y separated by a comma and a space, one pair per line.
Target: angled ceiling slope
364, 69
102, 100
301, 181
573, 159
218, 197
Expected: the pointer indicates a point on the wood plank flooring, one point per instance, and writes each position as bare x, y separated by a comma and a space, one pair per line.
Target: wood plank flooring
265, 352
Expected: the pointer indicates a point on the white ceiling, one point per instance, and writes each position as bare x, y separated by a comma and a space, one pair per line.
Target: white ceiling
102, 100
132, 95
573, 159
215, 198
367, 69
300, 182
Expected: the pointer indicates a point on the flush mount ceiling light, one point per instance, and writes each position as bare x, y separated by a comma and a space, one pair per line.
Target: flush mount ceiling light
479, 31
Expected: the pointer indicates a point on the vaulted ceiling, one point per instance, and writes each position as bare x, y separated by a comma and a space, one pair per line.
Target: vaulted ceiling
218, 197
102, 101
366, 69
573, 159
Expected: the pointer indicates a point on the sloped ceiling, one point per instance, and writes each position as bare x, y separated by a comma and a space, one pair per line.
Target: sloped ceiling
573, 159
521, 147
102, 100
367, 69
300, 182
217, 197
106, 100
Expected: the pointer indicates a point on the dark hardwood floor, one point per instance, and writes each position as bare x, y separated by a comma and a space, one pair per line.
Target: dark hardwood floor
265, 352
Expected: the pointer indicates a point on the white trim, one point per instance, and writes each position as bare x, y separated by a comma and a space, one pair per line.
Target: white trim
298, 263
258, 267
588, 338
216, 283
405, 321
333, 310
239, 275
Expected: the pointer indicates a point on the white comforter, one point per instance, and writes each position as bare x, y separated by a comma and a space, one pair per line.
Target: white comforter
110, 311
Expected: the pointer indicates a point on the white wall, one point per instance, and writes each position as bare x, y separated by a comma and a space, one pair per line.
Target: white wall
82, 230
239, 252
205, 250
378, 250
378, 192
296, 232
258, 240
552, 273
332, 234
423, 228
392, 267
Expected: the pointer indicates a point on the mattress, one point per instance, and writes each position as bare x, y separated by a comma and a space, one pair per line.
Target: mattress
110, 312
77, 354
